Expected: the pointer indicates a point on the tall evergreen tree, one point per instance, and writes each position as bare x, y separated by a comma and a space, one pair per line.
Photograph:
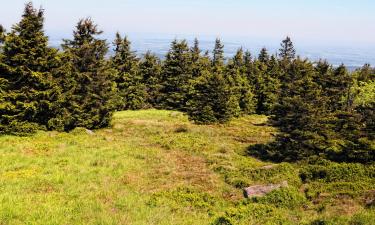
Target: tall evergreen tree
248, 60
287, 51
195, 51
2, 34
220, 93
366, 73
176, 76
218, 54
355, 125
335, 83
128, 79
239, 83
2, 80
264, 56
300, 114
150, 68
198, 61
29, 93
213, 100
90, 93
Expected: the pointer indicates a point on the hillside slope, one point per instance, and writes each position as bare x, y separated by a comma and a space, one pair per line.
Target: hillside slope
155, 167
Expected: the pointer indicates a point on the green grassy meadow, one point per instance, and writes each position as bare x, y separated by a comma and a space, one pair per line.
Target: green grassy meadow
156, 167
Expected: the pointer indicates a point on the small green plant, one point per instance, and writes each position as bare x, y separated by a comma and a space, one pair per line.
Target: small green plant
285, 198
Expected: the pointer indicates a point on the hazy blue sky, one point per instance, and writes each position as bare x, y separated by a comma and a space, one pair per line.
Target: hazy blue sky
309, 21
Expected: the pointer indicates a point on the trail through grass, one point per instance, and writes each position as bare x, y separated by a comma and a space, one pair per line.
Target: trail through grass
153, 167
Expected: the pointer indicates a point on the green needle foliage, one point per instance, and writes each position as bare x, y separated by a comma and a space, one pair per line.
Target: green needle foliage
176, 76
90, 95
129, 80
320, 110
28, 92
150, 68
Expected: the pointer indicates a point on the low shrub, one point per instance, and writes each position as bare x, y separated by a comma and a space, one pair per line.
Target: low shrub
185, 197
252, 213
289, 198
334, 172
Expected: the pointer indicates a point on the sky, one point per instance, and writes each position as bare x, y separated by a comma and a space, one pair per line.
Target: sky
312, 22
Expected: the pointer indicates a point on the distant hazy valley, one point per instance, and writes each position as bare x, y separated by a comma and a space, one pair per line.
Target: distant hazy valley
336, 55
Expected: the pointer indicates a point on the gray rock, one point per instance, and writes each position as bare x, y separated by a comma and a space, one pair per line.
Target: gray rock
261, 190
175, 114
89, 132
268, 167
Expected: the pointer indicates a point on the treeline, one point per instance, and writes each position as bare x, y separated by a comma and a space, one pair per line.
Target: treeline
320, 110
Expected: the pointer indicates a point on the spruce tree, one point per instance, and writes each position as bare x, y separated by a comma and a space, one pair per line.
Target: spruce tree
213, 100
218, 54
301, 115
176, 76
355, 125
335, 84
248, 63
216, 93
287, 51
240, 85
365, 74
128, 79
29, 92
264, 74
91, 90
150, 68
2, 80
2, 34
264, 56
195, 51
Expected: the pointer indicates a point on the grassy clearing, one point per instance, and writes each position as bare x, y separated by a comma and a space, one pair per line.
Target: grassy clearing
155, 167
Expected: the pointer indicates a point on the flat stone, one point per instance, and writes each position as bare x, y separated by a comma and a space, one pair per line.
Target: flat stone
90, 132
175, 114
261, 190
268, 167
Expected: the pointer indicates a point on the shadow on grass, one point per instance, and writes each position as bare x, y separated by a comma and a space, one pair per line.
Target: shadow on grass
264, 152
276, 151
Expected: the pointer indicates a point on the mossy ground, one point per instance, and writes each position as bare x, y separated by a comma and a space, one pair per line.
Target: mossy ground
155, 167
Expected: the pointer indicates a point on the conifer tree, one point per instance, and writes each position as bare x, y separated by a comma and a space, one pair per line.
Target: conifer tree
365, 74
335, 83
29, 92
287, 51
218, 54
355, 125
90, 94
249, 67
128, 79
2, 80
150, 68
264, 56
195, 51
248, 61
217, 95
176, 76
263, 75
301, 115
240, 85
213, 100
267, 85
2, 34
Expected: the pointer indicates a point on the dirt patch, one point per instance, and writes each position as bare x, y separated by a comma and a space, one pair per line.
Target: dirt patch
178, 169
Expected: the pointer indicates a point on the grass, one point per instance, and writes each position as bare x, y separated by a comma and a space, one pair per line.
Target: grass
155, 167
